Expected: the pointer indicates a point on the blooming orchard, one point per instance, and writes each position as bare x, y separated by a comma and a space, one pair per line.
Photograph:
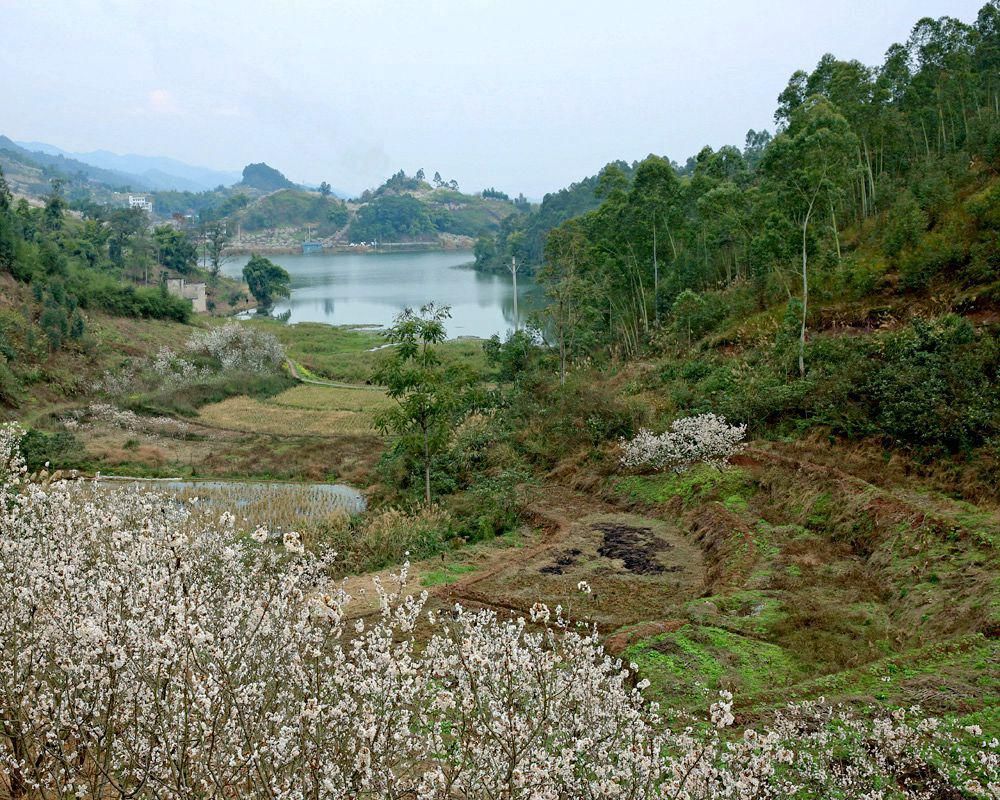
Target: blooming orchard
146, 654
239, 347
703, 439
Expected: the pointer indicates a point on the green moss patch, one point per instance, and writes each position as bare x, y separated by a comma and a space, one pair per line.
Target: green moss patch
733, 486
447, 574
689, 665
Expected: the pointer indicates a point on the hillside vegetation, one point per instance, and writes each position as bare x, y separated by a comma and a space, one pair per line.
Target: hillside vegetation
523, 236
753, 437
833, 287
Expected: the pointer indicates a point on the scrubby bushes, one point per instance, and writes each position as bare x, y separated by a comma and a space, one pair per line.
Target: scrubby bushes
381, 538
186, 399
935, 385
61, 450
222, 362
104, 293
928, 386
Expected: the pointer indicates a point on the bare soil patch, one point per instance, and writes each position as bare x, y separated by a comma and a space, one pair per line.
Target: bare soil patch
636, 547
637, 569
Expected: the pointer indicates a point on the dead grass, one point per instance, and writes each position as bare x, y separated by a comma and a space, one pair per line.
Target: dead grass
363, 399
217, 453
302, 410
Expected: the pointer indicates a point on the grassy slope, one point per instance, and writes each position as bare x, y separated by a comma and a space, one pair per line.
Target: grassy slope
235, 428
832, 567
819, 582
348, 354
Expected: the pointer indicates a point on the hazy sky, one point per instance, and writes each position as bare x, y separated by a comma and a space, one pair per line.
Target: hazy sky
522, 95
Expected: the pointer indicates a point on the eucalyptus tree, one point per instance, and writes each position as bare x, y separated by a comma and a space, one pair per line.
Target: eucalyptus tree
807, 168
215, 237
573, 300
657, 209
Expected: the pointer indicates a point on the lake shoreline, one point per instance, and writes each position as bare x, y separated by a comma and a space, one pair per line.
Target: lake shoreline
337, 247
352, 289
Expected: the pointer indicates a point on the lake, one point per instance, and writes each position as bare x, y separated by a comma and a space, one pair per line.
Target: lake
366, 289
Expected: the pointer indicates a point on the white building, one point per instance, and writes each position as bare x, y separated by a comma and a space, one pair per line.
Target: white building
140, 201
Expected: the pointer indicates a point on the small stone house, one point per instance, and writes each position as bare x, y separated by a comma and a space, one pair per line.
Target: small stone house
195, 292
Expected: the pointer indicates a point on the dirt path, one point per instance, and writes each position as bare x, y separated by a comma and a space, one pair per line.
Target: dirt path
633, 569
554, 512
599, 564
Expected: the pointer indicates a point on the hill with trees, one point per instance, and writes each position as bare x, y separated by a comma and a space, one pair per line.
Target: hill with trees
264, 178
64, 275
409, 208
294, 207
523, 236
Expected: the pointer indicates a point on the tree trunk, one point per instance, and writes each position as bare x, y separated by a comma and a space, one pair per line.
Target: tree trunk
562, 359
805, 296
427, 469
513, 273
18, 785
656, 283
836, 234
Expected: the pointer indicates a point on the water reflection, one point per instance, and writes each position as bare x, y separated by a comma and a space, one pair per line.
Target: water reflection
348, 289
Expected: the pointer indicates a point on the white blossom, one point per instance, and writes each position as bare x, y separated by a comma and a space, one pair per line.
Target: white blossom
239, 347
147, 652
292, 542
703, 439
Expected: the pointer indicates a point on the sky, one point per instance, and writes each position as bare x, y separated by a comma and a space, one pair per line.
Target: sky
523, 95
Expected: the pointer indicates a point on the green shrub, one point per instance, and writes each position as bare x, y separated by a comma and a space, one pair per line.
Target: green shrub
904, 225
936, 385
185, 400
10, 387
491, 507
943, 252
60, 450
124, 300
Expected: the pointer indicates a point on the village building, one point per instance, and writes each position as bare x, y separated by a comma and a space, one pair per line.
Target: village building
195, 292
140, 201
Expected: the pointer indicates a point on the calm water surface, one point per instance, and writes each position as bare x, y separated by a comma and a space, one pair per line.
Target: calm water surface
349, 289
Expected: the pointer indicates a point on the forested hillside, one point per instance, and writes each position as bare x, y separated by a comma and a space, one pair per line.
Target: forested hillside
874, 210
523, 236
63, 276
409, 208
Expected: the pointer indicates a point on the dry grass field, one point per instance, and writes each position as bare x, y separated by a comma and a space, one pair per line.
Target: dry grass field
303, 410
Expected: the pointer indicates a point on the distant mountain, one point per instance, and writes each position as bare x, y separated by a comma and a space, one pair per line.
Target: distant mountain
71, 167
155, 172
265, 178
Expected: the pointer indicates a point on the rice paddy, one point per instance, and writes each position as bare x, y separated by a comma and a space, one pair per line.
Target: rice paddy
275, 506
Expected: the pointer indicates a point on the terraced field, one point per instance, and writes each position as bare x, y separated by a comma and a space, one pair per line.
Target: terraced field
303, 410
779, 579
